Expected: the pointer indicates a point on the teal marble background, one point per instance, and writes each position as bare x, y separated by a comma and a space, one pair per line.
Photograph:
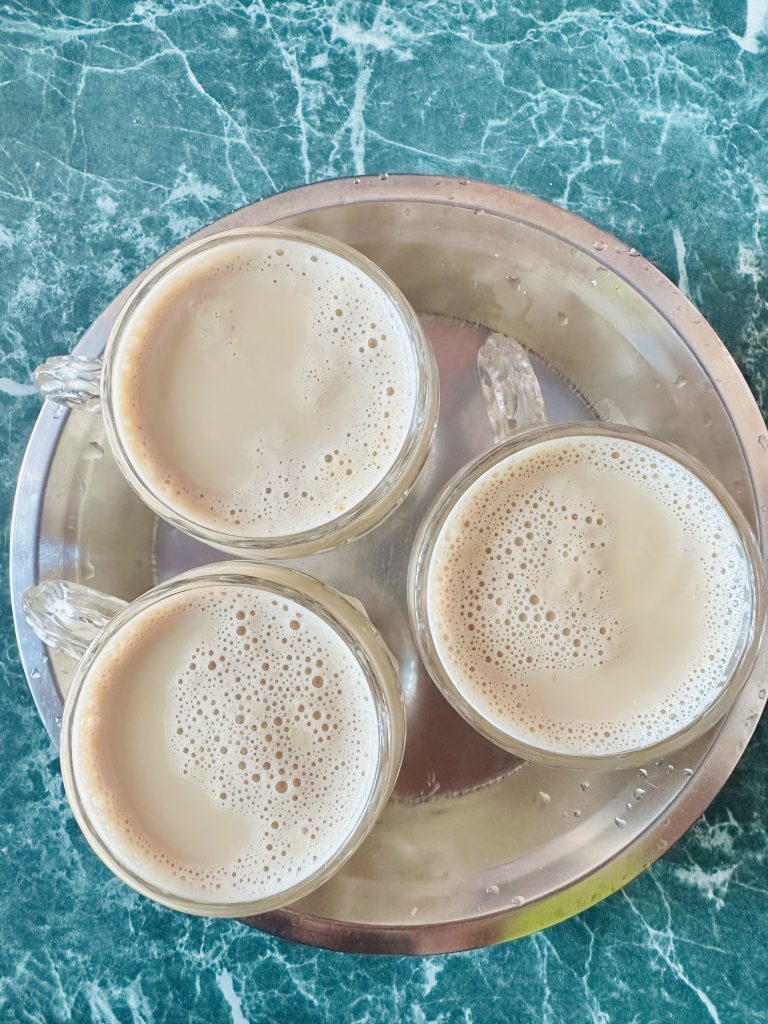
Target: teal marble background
123, 127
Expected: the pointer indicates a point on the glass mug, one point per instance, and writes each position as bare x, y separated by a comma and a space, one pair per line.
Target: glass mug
442, 555
95, 385
134, 806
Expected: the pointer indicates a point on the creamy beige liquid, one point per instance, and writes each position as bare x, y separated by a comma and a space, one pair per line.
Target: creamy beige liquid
589, 595
264, 387
225, 744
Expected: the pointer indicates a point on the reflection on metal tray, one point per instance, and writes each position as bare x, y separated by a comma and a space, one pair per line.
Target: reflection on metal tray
475, 846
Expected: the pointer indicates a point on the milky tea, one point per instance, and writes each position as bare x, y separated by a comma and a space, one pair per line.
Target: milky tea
589, 595
224, 743
264, 386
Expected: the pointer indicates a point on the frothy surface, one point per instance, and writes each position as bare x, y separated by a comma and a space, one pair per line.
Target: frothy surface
225, 744
264, 387
588, 595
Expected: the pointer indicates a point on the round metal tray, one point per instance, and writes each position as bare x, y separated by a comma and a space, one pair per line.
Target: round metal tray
475, 846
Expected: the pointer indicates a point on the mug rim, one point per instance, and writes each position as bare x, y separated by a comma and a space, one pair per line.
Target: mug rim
347, 619
418, 574
373, 507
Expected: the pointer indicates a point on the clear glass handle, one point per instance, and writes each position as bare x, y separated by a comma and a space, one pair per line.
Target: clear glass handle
71, 380
69, 616
511, 390
360, 607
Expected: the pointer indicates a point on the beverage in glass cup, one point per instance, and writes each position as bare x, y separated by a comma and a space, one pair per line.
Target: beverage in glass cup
269, 391
584, 594
229, 738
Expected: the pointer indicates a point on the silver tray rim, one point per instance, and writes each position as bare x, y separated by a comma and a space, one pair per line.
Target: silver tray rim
694, 332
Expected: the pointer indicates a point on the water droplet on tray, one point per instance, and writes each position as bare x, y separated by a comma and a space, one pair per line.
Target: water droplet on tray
517, 901
35, 673
577, 813
414, 911
680, 381
687, 772
620, 822
93, 451
492, 890
562, 319
543, 799
383, 176
598, 245
639, 793
632, 251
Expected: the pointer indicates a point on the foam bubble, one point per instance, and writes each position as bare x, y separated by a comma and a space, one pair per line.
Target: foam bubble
225, 743
589, 595
263, 389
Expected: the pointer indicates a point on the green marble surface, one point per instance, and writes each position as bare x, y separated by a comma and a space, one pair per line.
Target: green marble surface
123, 127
